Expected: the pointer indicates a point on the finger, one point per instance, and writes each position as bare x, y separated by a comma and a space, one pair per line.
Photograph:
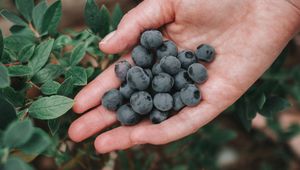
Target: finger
148, 14
91, 123
117, 139
90, 95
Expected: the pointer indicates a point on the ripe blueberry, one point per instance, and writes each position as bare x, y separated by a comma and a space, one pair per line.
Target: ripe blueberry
151, 39
163, 101
181, 79
162, 82
186, 58
190, 95
112, 100
177, 102
197, 73
156, 69
121, 69
170, 64
157, 116
205, 52
137, 78
168, 48
141, 102
142, 57
127, 116
126, 90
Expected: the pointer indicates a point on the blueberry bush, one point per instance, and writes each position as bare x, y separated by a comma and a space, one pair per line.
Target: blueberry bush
42, 69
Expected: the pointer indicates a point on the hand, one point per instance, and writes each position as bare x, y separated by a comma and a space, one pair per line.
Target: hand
247, 35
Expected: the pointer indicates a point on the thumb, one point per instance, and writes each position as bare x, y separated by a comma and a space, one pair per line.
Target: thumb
149, 14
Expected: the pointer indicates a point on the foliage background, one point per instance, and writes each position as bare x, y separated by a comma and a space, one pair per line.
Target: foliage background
39, 62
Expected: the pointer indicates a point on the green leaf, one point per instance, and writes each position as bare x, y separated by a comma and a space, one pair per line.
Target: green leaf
14, 163
77, 54
19, 70
104, 21
92, 16
78, 75
4, 78
117, 15
242, 112
16, 42
54, 125
66, 88
52, 18
50, 87
273, 105
17, 98
25, 7
26, 53
62, 41
7, 114
89, 71
51, 107
38, 142
17, 133
12, 17
49, 72
1, 44
41, 55
38, 13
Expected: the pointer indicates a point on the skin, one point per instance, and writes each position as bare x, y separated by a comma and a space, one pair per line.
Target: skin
248, 35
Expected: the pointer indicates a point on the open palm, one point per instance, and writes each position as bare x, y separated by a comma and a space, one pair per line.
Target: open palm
247, 35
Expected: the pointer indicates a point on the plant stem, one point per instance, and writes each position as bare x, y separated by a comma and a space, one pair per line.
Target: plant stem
36, 34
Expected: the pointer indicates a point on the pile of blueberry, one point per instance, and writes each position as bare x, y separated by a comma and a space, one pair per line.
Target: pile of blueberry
161, 81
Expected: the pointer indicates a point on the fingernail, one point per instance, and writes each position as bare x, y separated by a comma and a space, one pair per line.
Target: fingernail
107, 37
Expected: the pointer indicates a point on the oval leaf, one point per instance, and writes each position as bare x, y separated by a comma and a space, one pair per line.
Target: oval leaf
77, 54
25, 8
50, 107
38, 142
92, 16
50, 87
104, 21
38, 13
78, 75
26, 53
51, 18
41, 55
116, 16
19, 70
12, 17
17, 133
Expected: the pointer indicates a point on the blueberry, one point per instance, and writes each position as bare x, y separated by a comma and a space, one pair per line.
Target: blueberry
205, 52
190, 95
137, 78
157, 116
163, 101
168, 48
112, 100
151, 39
186, 58
170, 64
126, 90
197, 73
121, 69
149, 73
127, 116
162, 82
181, 79
141, 102
177, 102
156, 69
142, 57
